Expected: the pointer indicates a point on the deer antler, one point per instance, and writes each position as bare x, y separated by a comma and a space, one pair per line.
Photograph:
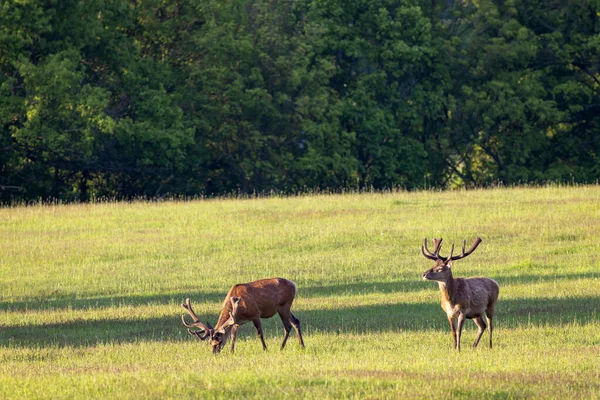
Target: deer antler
476, 242
438, 244
205, 330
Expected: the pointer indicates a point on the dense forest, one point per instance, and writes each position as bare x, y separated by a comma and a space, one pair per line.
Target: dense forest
127, 98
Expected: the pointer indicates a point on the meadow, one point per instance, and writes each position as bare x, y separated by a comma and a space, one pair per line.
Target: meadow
90, 296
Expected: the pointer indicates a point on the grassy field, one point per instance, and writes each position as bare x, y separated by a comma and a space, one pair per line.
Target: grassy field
90, 296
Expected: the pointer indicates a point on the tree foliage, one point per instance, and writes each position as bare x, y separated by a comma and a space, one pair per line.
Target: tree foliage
123, 98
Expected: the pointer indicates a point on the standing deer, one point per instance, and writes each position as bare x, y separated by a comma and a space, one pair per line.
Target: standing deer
248, 302
462, 297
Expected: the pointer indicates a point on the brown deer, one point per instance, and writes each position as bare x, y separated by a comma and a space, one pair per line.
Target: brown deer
248, 302
462, 297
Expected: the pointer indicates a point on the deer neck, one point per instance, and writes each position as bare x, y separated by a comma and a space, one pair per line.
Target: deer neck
224, 316
448, 288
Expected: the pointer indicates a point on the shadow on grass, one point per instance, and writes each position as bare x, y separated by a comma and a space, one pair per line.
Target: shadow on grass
538, 278
361, 319
204, 296
69, 302
326, 290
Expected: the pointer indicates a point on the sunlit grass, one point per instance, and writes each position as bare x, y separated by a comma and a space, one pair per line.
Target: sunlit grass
90, 299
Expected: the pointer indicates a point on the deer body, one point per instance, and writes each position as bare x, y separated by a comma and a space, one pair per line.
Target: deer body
245, 303
262, 298
470, 296
462, 298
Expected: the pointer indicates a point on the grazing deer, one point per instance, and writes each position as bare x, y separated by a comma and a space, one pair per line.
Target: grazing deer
462, 297
248, 302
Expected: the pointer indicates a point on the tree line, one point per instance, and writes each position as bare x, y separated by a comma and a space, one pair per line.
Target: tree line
128, 98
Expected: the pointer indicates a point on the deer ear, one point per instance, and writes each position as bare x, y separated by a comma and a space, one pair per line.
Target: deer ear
449, 263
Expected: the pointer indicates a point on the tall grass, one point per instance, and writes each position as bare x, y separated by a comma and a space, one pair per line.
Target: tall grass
90, 296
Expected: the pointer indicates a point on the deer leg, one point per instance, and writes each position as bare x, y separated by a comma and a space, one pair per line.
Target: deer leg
296, 324
234, 329
481, 325
461, 323
285, 318
453, 330
489, 321
259, 332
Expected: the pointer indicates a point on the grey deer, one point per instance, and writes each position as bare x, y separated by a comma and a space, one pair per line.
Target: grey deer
462, 297
248, 302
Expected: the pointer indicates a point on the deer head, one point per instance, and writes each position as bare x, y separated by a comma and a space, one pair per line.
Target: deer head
219, 335
441, 269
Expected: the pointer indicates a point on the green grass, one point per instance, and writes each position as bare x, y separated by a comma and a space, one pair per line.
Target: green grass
90, 296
